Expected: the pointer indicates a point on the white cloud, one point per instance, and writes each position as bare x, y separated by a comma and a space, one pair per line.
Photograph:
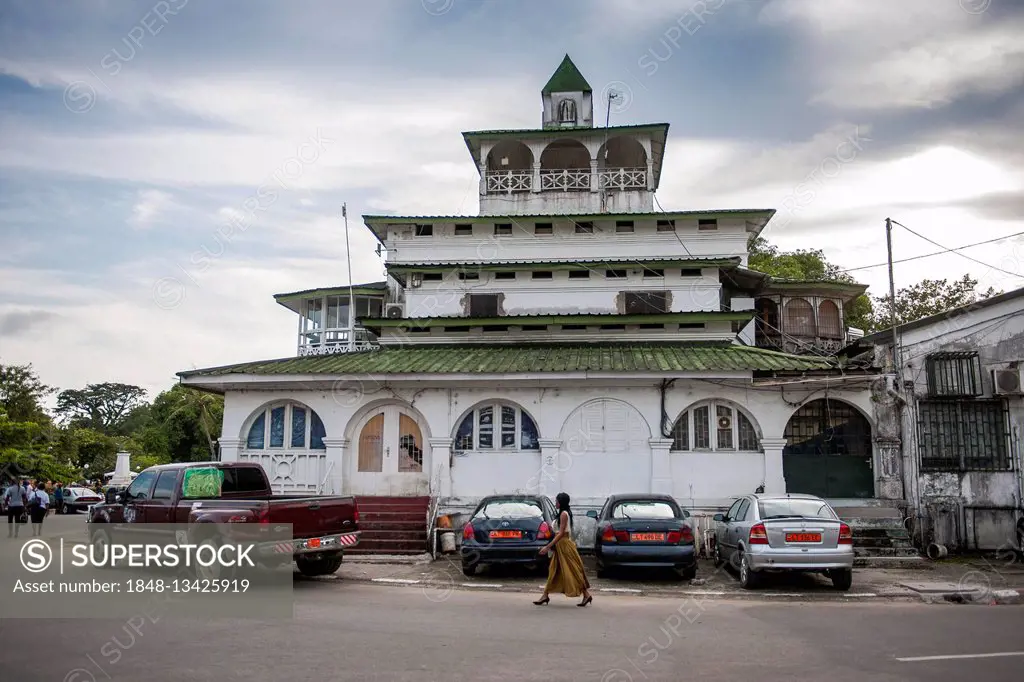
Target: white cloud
923, 54
149, 206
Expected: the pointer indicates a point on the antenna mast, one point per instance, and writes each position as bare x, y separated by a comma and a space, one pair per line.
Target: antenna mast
351, 291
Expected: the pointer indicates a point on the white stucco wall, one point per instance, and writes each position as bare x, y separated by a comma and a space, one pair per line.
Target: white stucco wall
562, 295
996, 332
700, 480
729, 240
534, 203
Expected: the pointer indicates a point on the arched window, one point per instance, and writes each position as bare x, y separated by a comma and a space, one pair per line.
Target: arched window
287, 426
496, 426
731, 430
829, 324
800, 318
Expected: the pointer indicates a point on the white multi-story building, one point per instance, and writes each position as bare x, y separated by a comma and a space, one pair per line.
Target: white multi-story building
568, 338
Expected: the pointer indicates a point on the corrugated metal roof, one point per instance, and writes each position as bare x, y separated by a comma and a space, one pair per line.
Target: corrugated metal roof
469, 359
567, 132
570, 216
562, 261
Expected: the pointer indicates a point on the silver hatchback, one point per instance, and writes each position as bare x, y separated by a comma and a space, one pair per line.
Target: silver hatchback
769, 533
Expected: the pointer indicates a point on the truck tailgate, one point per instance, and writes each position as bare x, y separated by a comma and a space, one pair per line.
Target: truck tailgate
315, 516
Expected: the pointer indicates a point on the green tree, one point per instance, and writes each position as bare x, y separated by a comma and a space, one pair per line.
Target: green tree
22, 394
926, 298
185, 422
103, 407
809, 265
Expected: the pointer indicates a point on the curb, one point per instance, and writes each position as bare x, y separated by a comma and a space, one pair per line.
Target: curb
985, 597
790, 597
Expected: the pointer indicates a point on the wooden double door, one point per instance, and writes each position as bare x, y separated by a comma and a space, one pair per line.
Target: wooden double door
391, 455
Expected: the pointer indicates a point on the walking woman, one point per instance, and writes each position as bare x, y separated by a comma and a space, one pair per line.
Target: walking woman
565, 572
38, 506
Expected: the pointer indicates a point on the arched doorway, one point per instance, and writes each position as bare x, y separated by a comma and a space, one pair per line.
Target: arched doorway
389, 454
605, 449
828, 451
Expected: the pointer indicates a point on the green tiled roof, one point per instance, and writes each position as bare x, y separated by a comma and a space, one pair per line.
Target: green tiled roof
471, 359
567, 78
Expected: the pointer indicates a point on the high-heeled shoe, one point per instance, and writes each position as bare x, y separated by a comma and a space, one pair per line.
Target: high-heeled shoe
586, 601
542, 601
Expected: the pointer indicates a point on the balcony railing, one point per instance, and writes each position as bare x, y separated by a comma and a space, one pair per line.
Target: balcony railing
331, 341
623, 178
564, 180
802, 345
509, 181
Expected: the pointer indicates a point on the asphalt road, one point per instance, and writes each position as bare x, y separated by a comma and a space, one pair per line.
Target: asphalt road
357, 631
352, 631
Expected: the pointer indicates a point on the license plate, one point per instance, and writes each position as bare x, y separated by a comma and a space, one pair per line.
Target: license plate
647, 537
507, 534
803, 537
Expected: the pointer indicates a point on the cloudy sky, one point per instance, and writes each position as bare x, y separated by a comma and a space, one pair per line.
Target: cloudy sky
135, 134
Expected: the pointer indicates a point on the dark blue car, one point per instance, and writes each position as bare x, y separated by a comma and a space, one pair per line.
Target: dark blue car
647, 530
508, 529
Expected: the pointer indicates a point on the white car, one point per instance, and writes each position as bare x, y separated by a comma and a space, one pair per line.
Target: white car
79, 499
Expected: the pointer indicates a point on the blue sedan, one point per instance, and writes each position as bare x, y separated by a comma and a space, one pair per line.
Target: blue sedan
644, 530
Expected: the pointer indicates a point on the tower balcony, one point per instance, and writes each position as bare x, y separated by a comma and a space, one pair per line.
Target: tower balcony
335, 340
564, 180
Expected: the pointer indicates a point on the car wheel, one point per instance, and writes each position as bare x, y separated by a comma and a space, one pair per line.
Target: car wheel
214, 571
842, 578
748, 578
468, 570
314, 567
100, 541
718, 556
687, 573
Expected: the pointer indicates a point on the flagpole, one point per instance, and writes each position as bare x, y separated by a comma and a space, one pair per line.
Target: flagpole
351, 291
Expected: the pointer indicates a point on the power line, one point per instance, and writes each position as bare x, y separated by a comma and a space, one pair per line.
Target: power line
934, 253
932, 241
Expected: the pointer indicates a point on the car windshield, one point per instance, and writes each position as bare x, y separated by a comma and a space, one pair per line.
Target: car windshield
790, 508
644, 509
82, 492
510, 509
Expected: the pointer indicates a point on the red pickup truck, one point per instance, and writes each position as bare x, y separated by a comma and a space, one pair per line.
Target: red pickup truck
322, 526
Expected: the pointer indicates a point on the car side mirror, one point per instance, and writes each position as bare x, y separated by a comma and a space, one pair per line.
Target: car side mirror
591, 514
719, 517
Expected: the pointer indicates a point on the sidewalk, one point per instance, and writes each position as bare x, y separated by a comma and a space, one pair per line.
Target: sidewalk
948, 581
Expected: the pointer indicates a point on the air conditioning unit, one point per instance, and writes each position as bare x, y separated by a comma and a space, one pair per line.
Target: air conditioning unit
394, 311
1008, 381
725, 422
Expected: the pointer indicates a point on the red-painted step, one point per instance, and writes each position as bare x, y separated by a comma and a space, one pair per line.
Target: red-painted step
392, 525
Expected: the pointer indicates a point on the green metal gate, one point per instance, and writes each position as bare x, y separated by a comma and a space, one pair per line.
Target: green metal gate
828, 451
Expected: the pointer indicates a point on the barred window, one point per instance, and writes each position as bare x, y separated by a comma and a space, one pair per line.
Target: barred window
954, 374
732, 430
800, 318
963, 435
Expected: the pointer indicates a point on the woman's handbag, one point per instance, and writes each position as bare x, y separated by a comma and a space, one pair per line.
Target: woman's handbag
23, 518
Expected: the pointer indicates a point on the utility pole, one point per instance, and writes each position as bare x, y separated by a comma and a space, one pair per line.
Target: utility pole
351, 291
896, 360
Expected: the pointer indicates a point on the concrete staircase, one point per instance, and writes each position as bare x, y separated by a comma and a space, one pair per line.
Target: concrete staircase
392, 525
880, 538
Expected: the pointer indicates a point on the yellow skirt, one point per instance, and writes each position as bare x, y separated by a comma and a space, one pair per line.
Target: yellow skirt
565, 573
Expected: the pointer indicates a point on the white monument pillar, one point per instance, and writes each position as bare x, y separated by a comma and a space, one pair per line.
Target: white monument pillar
122, 470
